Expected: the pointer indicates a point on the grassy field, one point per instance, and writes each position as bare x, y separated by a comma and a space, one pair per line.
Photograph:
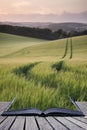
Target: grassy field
37, 73
12, 43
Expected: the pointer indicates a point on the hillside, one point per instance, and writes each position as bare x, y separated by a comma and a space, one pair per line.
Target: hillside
10, 43
39, 74
67, 26
47, 49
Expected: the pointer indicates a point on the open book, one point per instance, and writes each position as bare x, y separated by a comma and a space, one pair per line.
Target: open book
48, 112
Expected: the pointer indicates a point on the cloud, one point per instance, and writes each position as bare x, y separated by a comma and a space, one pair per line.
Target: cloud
21, 7
21, 4
42, 6
25, 7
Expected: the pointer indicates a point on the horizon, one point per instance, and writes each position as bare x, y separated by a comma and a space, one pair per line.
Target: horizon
65, 17
42, 22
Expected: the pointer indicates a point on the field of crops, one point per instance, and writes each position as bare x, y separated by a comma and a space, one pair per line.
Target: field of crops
42, 73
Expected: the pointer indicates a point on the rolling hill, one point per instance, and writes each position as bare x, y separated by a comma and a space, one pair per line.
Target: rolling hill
67, 26
12, 46
11, 43
50, 78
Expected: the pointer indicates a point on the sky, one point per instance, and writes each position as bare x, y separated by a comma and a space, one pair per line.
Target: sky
15, 7
42, 6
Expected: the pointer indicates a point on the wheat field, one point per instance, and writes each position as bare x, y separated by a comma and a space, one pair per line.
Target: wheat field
36, 71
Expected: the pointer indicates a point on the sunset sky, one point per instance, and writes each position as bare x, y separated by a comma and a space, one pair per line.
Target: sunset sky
14, 10
42, 6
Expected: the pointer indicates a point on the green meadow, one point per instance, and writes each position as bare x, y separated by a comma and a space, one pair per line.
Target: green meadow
42, 73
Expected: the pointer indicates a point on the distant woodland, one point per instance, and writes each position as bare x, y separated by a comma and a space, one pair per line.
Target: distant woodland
39, 33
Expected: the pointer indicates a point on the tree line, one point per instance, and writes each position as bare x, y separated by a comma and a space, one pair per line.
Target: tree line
39, 33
